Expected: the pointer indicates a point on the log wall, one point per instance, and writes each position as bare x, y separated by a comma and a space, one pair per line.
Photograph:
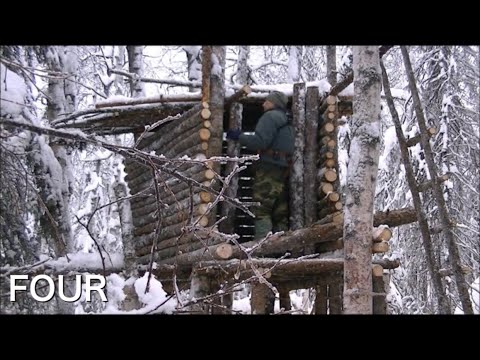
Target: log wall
190, 136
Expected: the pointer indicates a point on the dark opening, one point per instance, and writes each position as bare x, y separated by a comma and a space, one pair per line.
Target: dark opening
243, 222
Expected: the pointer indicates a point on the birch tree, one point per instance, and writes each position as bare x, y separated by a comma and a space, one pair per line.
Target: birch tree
361, 181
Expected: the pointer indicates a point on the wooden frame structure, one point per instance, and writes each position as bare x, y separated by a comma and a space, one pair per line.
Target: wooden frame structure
202, 259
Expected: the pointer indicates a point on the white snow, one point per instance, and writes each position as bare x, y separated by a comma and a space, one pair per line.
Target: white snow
12, 92
390, 143
81, 260
348, 91
242, 305
114, 99
293, 64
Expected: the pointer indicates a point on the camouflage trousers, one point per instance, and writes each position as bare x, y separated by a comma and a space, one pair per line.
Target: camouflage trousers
270, 189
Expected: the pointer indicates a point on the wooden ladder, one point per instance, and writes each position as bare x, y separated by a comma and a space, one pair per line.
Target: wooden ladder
433, 185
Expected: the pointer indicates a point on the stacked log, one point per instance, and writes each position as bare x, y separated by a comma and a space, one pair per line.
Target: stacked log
380, 237
187, 136
329, 199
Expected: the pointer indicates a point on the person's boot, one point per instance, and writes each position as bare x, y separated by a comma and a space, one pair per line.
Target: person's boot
262, 227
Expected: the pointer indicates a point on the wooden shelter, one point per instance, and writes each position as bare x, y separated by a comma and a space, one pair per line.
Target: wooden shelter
162, 206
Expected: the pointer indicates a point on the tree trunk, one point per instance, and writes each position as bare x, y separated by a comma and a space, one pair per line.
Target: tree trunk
194, 64
119, 52
332, 64
297, 202
135, 66
432, 265
361, 180
216, 98
454, 254
295, 64
57, 105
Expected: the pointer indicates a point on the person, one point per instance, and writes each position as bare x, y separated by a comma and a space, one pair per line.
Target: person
274, 141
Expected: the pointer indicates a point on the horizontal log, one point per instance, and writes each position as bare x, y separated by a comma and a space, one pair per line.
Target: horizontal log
324, 188
205, 113
381, 233
336, 217
428, 184
175, 213
331, 116
276, 268
326, 206
209, 174
168, 193
167, 198
329, 163
380, 247
331, 100
163, 98
171, 252
298, 239
286, 268
169, 133
329, 208
416, 139
326, 175
203, 221
213, 252
204, 134
331, 197
329, 246
194, 172
331, 144
395, 217
377, 270
193, 144
147, 240
335, 90
327, 129
202, 208
127, 118
238, 95
325, 139
205, 196
325, 153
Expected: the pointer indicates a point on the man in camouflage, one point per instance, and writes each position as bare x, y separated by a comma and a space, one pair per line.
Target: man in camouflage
274, 141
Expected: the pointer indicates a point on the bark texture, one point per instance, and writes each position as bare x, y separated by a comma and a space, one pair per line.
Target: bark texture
361, 180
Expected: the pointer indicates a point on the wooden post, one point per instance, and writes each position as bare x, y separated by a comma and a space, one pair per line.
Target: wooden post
378, 287
262, 300
335, 297
297, 201
284, 295
199, 287
321, 299
311, 151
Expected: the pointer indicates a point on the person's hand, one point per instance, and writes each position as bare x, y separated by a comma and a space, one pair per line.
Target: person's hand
233, 134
